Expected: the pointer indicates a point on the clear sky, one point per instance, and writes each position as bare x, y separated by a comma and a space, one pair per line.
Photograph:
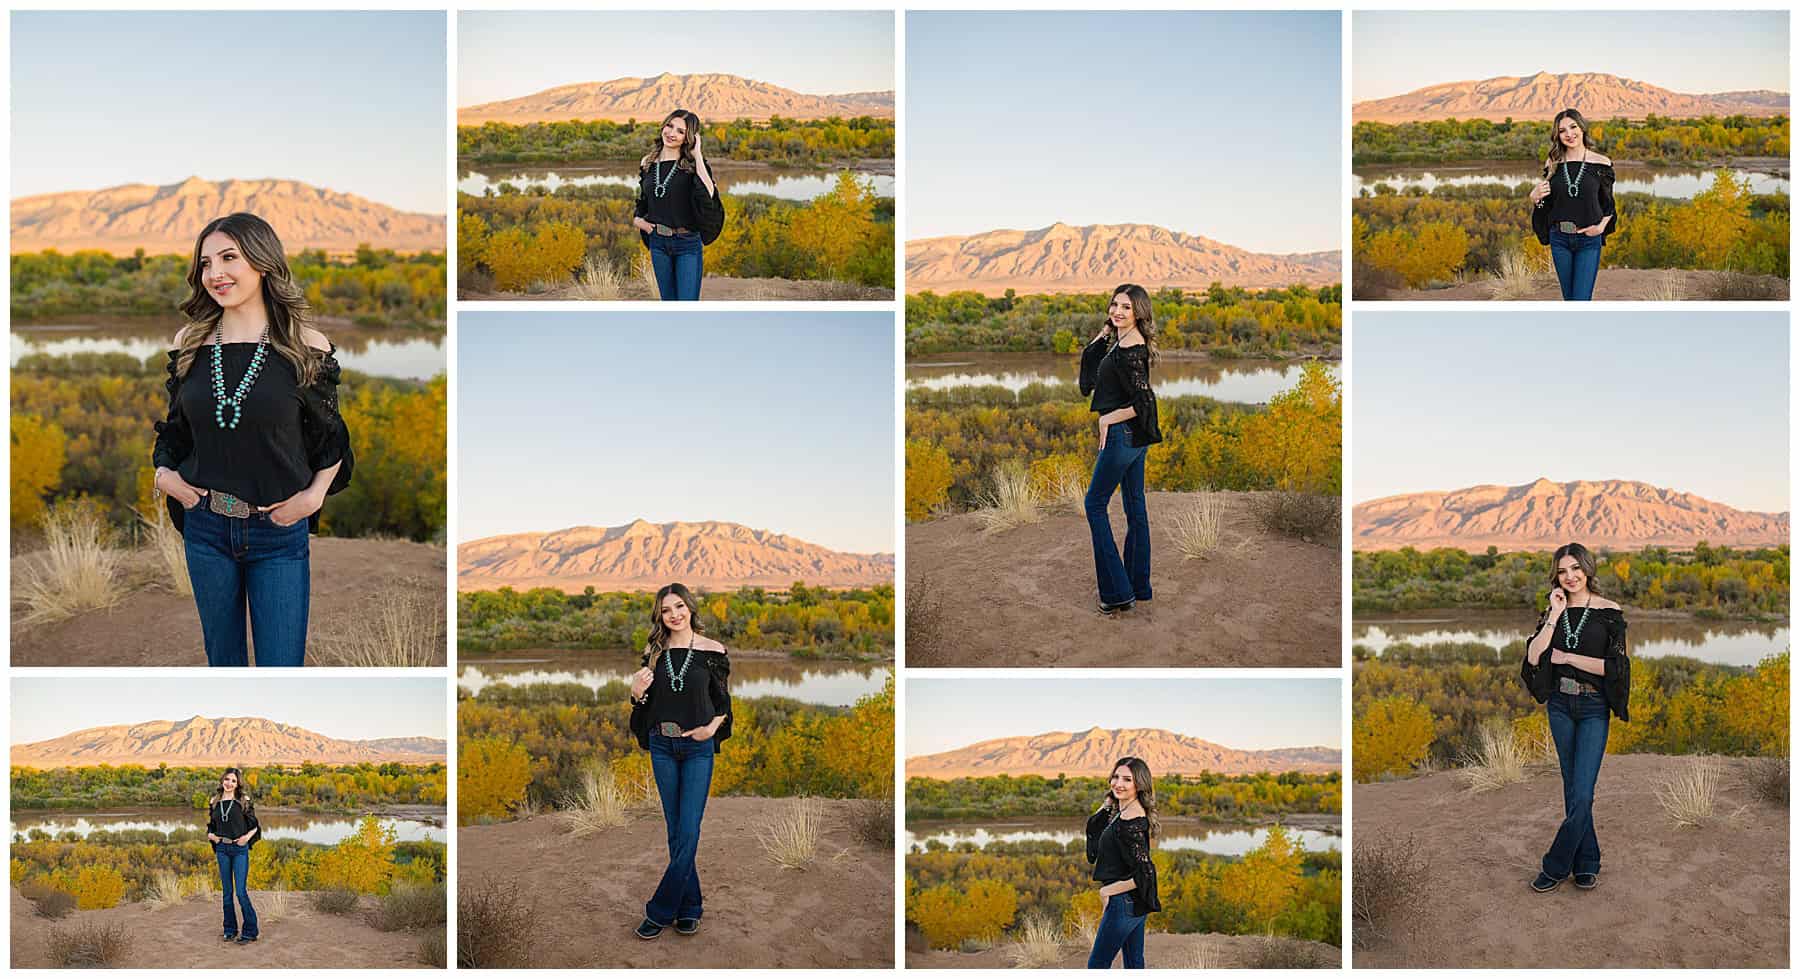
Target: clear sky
1393, 52
506, 54
1219, 124
1696, 402
1254, 714
351, 708
347, 100
778, 421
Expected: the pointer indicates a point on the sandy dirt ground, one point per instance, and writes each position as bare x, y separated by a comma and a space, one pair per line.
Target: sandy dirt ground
1027, 597
1612, 284
838, 912
1161, 951
1713, 896
186, 936
155, 626
719, 287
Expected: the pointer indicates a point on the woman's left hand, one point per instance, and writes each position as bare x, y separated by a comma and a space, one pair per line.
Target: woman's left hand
240, 841
704, 732
296, 508
1592, 230
1103, 436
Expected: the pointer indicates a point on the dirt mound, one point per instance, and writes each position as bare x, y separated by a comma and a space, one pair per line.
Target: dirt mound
590, 892
1710, 897
155, 626
186, 936
721, 287
1161, 951
1630, 285
1026, 596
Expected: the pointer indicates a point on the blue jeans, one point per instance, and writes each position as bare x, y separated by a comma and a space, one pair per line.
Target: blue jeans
234, 877
1578, 725
247, 562
1577, 261
678, 264
1121, 467
1118, 930
683, 768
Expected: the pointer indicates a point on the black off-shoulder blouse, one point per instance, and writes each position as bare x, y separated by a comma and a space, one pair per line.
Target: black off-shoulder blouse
1119, 377
684, 196
705, 694
286, 435
1602, 637
1593, 198
1119, 849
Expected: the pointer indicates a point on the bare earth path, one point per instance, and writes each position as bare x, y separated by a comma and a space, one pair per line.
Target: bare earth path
1711, 897
1161, 951
720, 287
1636, 285
838, 912
1027, 597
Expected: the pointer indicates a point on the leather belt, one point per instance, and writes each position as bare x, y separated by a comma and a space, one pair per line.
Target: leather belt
1574, 687
664, 231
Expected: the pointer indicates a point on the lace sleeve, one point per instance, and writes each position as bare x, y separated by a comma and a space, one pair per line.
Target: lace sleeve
1096, 825
1134, 836
1607, 208
1091, 355
174, 438
323, 431
1618, 669
1143, 399
718, 671
642, 207
1539, 680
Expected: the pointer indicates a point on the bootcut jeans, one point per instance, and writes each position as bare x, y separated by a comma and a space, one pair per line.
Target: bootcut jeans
1578, 725
679, 264
240, 564
1120, 467
1119, 931
683, 770
234, 878
1577, 261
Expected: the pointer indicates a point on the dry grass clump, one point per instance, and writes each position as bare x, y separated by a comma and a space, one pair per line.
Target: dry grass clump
1066, 490
409, 906
1500, 758
1691, 796
48, 902
432, 949
337, 900
1287, 953
1010, 502
1739, 286
1315, 518
403, 626
1194, 528
599, 281
275, 905
872, 823
77, 571
168, 550
927, 635
600, 800
1668, 288
90, 945
1389, 881
1202, 956
1037, 944
1517, 276
643, 271
495, 928
792, 838
1767, 779
166, 888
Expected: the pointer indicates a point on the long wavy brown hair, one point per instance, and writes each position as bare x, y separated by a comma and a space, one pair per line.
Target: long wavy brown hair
289, 312
1584, 559
686, 158
243, 790
1140, 776
659, 633
1557, 150
1141, 312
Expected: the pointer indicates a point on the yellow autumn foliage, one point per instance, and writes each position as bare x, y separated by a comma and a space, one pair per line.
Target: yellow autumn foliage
948, 915
928, 478
491, 775
39, 449
1390, 736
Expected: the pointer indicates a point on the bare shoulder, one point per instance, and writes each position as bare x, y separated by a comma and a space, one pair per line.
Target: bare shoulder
181, 335
1601, 158
1600, 602
314, 339
708, 644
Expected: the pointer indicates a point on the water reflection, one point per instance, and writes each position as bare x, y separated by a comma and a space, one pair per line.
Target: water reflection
1246, 382
1730, 643
1231, 841
793, 185
1672, 183
389, 353
323, 829
831, 684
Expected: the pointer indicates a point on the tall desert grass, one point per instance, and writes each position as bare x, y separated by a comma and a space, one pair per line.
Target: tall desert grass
1037, 944
90, 945
1516, 276
1500, 758
1691, 796
78, 570
1194, 526
600, 800
165, 544
1667, 288
791, 839
599, 280
1767, 779
1204, 955
1011, 501
275, 905
405, 627
166, 888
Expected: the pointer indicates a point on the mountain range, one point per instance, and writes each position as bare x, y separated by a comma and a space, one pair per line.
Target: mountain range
164, 220
713, 97
642, 556
1543, 95
1542, 515
206, 741
1096, 257
1094, 751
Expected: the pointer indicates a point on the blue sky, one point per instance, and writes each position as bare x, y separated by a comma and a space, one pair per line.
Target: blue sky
352, 708
1394, 52
779, 421
506, 54
1255, 714
1691, 401
348, 100
1226, 125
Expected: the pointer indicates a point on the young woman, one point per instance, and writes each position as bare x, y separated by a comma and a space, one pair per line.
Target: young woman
1115, 369
677, 200
681, 710
1572, 207
252, 443
1118, 845
232, 830
1575, 664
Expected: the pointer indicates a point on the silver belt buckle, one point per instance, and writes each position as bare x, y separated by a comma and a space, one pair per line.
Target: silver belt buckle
226, 505
1570, 685
669, 729
665, 231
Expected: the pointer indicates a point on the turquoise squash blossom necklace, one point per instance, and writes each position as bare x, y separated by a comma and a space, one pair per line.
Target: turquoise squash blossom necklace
1572, 637
661, 188
678, 680
236, 400
1574, 186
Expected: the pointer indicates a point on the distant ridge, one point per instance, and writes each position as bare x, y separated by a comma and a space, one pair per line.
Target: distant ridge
164, 220
1093, 752
642, 556
1541, 96
713, 97
204, 741
1096, 257
1542, 514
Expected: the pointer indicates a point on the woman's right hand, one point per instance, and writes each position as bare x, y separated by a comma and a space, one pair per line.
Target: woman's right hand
1559, 600
210, 838
640, 682
643, 225
171, 483
1540, 190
